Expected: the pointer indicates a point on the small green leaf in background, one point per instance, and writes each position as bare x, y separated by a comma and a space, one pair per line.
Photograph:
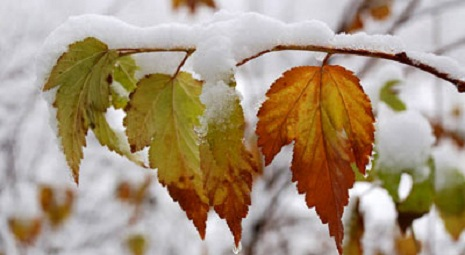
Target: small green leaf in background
137, 244
388, 95
450, 202
83, 76
418, 202
420, 198
124, 81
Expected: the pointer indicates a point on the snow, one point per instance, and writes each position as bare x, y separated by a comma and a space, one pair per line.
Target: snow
221, 42
444, 64
99, 224
374, 43
219, 100
407, 132
213, 59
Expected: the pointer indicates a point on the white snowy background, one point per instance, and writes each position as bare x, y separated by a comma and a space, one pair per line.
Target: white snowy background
279, 221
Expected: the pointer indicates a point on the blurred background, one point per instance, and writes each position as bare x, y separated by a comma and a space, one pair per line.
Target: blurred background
120, 208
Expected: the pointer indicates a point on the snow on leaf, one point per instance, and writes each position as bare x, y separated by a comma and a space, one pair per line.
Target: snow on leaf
326, 113
228, 168
192, 4
124, 75
83, 76
162, 113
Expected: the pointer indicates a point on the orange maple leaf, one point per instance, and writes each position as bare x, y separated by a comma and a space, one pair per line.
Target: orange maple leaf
326, 113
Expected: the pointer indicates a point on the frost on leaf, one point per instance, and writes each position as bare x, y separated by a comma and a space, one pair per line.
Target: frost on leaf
82, 77
326, 113
228, 168
162, 113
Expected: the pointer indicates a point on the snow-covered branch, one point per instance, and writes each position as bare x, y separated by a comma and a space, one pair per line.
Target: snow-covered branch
231, 40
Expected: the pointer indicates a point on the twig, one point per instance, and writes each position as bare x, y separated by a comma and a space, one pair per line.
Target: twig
451, 46
188, 53
438, 8
399, 57
129, 51
402, 18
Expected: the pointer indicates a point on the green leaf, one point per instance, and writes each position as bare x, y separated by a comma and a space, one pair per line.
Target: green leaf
420, 198
163, 113
450, 202
388, 95
82, 76
418, 202
125, 81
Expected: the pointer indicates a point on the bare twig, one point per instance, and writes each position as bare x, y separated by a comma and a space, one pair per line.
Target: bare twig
130, 51
401, 19
178, 69
404, 16
451, 46
442, 6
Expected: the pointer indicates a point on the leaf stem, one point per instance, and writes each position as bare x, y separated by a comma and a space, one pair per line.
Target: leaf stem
129, 51
188, 54
326, 60
401, 57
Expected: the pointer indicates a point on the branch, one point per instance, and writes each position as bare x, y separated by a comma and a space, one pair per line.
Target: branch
129, 51
439, 8
401, 57
404, 17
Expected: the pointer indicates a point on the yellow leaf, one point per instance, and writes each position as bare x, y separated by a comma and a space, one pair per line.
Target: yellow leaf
56, 211
228, 167
162, 113
326, 113
25, 231
137, 244
192, 4
407, 245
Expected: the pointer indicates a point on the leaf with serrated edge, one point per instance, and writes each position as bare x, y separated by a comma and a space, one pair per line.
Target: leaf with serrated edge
162, 113
83, 76
228, 168
325, 111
